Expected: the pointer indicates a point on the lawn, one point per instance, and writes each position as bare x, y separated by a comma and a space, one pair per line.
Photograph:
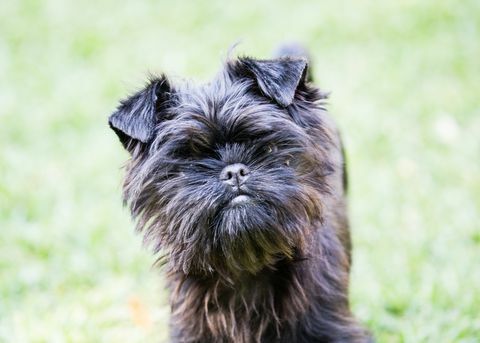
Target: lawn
405, 83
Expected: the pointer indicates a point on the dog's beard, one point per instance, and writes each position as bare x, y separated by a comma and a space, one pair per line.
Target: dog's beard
250, 236
204, 227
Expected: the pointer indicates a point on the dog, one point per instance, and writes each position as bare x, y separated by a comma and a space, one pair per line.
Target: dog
240, 185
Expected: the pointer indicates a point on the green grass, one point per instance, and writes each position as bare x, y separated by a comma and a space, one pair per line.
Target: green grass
405, 82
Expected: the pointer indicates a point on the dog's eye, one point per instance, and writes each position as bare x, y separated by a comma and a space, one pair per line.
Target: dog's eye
289, 160
270, 148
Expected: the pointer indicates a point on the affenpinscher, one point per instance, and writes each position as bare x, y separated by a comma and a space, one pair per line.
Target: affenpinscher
240, 184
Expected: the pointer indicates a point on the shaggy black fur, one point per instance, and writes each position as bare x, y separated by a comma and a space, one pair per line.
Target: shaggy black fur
240, 184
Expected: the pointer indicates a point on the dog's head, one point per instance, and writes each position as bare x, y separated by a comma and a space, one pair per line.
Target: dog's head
228, 177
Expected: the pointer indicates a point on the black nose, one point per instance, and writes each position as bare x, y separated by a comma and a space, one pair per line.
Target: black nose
235, 174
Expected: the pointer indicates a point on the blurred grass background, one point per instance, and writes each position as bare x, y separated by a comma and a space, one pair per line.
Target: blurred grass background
405, 82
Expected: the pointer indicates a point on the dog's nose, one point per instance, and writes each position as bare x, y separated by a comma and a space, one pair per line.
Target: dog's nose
235, 174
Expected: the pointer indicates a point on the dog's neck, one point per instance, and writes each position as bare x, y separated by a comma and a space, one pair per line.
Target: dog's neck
251, 306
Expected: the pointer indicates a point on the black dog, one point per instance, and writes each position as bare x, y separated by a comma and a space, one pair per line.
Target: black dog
240, 183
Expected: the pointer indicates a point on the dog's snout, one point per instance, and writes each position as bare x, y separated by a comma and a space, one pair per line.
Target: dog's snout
235, 174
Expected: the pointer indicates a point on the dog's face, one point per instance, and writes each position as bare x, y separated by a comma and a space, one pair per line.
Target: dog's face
227, 177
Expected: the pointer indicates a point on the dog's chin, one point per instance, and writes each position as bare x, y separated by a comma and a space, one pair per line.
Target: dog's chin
243, 234
249, 237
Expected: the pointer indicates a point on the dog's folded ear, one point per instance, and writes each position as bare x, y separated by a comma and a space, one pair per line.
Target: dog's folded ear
279, 78
136, 117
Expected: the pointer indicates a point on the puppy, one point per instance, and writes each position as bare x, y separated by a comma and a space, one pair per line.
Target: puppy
240, 184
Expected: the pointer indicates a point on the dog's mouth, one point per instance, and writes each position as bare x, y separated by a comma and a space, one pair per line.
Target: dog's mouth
241, 199
240, 196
